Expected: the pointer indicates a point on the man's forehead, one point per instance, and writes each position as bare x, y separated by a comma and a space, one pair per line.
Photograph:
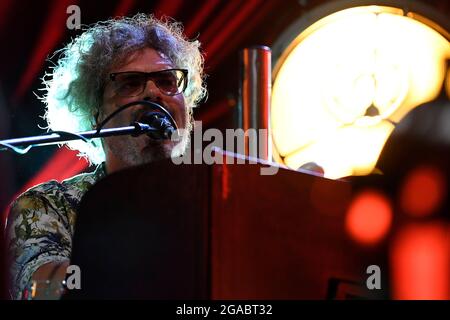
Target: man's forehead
163, 55
143, 58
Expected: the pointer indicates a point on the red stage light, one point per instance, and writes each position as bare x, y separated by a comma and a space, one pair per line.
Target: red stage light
420, 262
233, 23
51, 34
202, 14
124, 7
5, 7
369, 217
167, 8
62, 165
423, 191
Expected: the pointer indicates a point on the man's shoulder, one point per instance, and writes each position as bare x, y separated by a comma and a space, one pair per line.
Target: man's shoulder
69, 190
36, 201
43, 189
76, 182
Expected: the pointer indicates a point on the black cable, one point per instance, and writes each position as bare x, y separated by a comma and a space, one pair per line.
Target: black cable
131, 104
62, 134
16, 149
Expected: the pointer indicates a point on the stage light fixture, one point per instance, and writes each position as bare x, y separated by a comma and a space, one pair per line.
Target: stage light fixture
341, 85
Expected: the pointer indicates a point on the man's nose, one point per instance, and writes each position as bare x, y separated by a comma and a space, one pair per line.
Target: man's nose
151, 91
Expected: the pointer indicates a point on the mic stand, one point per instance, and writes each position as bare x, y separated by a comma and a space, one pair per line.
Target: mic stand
22, 145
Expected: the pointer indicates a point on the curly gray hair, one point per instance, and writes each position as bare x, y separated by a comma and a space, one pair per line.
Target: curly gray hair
74, 88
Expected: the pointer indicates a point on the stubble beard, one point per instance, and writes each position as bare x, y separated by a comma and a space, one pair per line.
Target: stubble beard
131, 152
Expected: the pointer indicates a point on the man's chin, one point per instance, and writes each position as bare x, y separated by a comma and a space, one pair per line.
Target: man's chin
156, 150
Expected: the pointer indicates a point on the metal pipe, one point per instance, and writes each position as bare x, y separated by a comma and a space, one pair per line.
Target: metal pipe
253, 110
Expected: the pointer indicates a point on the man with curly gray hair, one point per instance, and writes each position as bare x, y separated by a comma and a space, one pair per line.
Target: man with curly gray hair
112, 63
80, 91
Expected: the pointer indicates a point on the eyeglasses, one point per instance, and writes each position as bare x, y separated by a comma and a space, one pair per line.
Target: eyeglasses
132, 83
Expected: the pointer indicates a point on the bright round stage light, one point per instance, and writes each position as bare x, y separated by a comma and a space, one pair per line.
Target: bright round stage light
343, 83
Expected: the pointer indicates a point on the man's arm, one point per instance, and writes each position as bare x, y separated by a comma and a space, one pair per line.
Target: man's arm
39, 243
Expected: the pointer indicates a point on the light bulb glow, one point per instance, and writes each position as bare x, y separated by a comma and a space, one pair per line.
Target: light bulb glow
345, 80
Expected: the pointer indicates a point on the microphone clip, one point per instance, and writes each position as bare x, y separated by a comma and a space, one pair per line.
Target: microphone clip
161, 127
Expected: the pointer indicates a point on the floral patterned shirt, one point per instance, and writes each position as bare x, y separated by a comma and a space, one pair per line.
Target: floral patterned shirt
41, 224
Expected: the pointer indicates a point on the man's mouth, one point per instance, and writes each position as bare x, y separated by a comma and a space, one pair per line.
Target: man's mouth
155, 146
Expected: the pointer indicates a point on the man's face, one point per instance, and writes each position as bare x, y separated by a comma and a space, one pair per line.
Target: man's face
125, 151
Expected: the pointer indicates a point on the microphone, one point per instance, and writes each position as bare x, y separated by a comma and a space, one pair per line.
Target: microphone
160, 123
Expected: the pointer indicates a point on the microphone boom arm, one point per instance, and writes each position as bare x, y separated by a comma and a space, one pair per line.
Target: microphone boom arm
61, 137
161, 125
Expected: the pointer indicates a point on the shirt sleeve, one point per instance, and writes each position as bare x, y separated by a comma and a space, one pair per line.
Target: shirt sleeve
38, 232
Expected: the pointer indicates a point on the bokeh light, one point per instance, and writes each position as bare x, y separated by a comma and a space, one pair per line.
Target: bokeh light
423, 191
420, 262
369, 217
